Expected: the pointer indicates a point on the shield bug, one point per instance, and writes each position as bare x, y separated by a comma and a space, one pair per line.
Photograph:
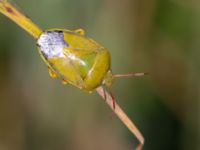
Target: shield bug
78, 60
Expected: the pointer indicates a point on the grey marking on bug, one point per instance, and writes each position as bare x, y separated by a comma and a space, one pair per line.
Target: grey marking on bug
51, 44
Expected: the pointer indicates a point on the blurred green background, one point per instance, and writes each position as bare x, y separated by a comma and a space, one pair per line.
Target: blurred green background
161, 37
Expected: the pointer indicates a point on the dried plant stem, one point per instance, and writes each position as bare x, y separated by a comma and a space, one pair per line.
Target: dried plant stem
122, 116
19, 18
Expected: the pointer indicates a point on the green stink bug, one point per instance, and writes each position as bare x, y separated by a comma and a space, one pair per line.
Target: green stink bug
80, 61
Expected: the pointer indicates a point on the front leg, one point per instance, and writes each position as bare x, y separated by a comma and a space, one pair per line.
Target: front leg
80, 32
52, 73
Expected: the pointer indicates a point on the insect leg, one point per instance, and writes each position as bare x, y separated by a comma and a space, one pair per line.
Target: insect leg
113, 98
104, 93
80, 31
64, 82
52, 73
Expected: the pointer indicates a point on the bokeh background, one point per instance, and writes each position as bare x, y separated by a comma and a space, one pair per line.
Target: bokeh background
161, 37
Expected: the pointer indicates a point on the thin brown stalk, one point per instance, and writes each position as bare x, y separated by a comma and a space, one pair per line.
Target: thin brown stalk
122, 116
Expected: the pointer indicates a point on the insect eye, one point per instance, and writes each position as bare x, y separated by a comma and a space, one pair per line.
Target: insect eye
51, 44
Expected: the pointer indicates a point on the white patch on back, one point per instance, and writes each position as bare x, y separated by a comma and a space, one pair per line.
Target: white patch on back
51, 44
